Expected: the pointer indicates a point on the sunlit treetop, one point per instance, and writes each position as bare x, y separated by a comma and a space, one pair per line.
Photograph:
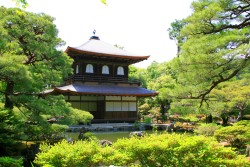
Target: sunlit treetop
216, 46
22, 3
212, 16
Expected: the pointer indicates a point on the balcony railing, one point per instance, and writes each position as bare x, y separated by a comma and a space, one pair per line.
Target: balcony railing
90, 78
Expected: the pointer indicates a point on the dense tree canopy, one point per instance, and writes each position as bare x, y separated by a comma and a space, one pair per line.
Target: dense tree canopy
30, 63
22, 3
174, 33
29, 58
216, 48
211, 73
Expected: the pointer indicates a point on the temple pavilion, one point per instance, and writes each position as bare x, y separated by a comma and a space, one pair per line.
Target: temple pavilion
100, 82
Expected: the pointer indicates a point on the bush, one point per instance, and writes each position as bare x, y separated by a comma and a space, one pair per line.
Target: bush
87, 136
237, 135
153, 150
10, 162
57, 132
178, 150
80, 116
81, 153
207, 129
147, 120
189, 118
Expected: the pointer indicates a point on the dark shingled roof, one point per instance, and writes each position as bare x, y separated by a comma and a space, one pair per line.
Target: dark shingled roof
112, 90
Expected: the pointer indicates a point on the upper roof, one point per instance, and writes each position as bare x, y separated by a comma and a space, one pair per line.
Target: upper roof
97, 47
111, 90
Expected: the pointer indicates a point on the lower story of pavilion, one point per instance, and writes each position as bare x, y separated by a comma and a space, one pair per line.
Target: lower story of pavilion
106, 108
107, 103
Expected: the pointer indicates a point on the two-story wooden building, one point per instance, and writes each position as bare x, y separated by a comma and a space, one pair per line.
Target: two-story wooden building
100, 82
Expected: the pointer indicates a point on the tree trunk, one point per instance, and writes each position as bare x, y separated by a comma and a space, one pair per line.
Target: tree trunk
162, 109
224, 120
178, 50
209, 119
239, 118
8, 92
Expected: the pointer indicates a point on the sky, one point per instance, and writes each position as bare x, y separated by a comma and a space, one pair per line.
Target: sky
140, 26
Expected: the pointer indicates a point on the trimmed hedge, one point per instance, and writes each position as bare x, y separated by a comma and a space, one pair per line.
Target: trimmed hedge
153, 150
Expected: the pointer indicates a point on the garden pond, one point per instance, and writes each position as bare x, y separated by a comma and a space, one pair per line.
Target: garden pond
111, 136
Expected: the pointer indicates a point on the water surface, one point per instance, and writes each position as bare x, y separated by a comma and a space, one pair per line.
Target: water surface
111, 136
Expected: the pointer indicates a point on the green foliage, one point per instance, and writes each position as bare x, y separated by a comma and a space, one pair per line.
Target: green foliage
21, 3
207, 129
138, 74
237, 135
147, 120
80, 117
215, 51
155, 114
189, 118
174, 33
104, 2
87, 136
152, 150
33, 42
10, 162
232, 96
58, 129
9, 127
211, 74
30, 63
10, 131
82, 153
144, 109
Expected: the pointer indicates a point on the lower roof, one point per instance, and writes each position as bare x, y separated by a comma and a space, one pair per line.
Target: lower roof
111, 90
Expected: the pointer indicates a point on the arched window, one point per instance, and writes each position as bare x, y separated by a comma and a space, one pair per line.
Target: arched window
105, 69
89, 68
120, 70
77, 69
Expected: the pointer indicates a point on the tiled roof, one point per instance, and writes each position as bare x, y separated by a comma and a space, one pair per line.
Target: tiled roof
112, 90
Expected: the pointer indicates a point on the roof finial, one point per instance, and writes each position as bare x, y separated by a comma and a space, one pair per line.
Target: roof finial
94, 37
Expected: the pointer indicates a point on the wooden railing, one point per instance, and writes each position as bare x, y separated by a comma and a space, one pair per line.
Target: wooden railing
91, 78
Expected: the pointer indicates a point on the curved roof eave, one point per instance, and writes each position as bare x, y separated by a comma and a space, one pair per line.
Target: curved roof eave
106, 54
104, 94
103, 90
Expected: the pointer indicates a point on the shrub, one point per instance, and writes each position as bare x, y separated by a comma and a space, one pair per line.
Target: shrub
207, 129
178, 124
80, 116
87, 136
58, 131
148, 120
177, 150
153, 150
189, 118
237, 135
10, 162
81, 153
